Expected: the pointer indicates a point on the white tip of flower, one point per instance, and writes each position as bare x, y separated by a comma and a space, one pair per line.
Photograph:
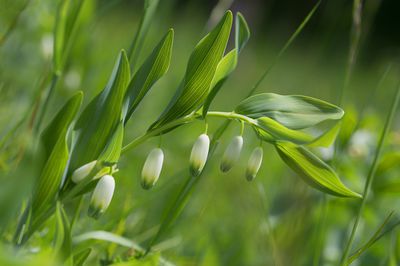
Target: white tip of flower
231, 154
199, 154
82, 172
101, 196
152, 168
254, 163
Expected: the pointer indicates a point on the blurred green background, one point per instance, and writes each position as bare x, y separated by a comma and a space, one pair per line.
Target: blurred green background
277, 219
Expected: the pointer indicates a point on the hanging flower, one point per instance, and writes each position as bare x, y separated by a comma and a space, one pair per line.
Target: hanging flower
152, 168
198, 156
231, 154
254, 163
101, 196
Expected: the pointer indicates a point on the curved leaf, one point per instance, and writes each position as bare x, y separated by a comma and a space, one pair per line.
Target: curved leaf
242, 32
229, 62
54, 138
292, 111
314, 172
271, 131
199, 73
155, 66
61, 122
100, 118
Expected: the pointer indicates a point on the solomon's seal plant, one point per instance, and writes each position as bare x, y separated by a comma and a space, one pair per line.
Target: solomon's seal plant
83, 147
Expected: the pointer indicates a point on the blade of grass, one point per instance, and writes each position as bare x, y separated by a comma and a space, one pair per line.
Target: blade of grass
355, 36
380, 232
370, 176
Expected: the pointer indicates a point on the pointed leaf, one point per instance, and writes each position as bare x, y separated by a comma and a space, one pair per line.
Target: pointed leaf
50, 179
292, 111
66, 21
314, 172
155, 66
199, 73
242, 32
61, 122
229, 62
100, 118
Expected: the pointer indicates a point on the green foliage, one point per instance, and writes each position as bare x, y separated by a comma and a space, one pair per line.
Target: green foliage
314, 172
292, 111
200, 71
53, 171
155, 66
100, 118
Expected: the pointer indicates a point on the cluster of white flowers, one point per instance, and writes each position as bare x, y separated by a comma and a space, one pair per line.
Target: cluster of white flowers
104, 190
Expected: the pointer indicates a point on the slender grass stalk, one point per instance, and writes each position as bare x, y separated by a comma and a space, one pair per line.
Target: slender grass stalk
371, 175
43, 111
284, 48
355, 37
182, 197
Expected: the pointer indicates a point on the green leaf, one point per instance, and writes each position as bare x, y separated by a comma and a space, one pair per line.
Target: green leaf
61, 122
271, 131
200, 71
49, 182
62, 241
80, 257
327, 138
314, 171
55, 142
149, 8
155, 66
229, 62
225, 67
292, 111
101, 117
66, 21
112, 152
242, 33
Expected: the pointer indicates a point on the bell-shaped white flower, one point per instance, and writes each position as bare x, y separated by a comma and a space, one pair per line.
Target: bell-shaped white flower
101, 196
82, 172
198, 156
231, 154
254, 163
152, 168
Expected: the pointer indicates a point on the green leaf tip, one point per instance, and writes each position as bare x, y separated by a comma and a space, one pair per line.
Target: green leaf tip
312, 170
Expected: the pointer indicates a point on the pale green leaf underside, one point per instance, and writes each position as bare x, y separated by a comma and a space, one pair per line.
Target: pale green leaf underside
314, 172
292, 111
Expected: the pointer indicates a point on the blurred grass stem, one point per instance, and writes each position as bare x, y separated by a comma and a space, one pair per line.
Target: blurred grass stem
370, 176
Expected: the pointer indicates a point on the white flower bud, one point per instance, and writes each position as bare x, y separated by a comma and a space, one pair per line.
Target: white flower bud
198, 156
231, 154
82, 172
152, 168
254, 163
101, 196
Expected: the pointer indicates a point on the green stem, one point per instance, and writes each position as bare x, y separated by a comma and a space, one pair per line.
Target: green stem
370, 177
186, 119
